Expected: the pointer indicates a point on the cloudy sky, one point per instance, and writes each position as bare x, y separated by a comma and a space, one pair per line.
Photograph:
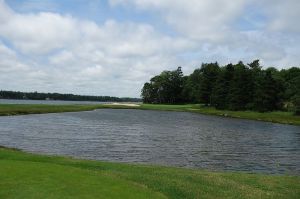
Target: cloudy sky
111, 47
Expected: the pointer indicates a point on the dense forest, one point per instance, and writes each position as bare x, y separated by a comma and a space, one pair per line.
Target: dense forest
58, 96
233, 87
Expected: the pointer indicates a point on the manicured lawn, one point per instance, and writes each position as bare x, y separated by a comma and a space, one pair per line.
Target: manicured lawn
25, 175
277, 117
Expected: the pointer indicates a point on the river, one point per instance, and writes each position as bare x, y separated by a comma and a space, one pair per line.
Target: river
159, 137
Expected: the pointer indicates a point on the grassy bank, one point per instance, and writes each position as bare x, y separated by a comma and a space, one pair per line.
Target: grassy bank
23, 109
25, 175
277, 117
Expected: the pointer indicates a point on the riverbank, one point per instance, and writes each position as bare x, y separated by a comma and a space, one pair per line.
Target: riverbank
27, 175
276, 117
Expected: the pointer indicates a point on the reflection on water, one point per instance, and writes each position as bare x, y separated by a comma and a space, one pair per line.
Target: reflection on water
159, 137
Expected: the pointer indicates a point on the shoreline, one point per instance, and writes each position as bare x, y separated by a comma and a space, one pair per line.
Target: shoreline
274, 117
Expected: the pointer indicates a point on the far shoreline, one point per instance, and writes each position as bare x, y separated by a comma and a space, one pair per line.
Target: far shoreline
274, 117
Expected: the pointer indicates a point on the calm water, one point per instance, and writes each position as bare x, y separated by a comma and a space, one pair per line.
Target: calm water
58, 102
158, 137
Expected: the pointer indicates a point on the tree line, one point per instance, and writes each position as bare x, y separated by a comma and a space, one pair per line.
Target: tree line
58, 96
233, 87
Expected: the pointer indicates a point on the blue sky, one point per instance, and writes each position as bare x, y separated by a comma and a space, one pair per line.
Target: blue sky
95, 10
111, 47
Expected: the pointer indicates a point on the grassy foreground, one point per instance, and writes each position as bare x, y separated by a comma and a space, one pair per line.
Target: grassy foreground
277, 117
25, 175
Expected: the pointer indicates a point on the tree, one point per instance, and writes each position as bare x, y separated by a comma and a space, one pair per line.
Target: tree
255, 65
296, 102
147, 93
176, 86
192, 84
164, 88
266, 93
292, 82
209, 74
233, 87
294, 91
221, 90
240, 88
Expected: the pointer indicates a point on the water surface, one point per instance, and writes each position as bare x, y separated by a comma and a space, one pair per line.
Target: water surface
159, 137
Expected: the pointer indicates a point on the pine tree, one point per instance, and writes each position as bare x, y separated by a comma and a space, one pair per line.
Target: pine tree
240, 88
266, 94
222, 87
209, 77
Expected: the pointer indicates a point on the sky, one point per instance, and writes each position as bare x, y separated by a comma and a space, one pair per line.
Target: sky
112, 47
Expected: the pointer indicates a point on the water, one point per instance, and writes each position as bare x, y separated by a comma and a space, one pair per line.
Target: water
158, 137
54, 102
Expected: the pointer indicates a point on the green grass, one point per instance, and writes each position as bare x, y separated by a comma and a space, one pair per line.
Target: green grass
277, 117
21, 109
24, 175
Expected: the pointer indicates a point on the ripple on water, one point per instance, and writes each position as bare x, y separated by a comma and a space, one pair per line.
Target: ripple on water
159, 137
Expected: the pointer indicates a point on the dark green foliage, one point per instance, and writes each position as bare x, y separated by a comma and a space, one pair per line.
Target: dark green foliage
291, 85
233, 87
266, 93
164, 88
220, 96
147, 93
291, 79
240, 88
209, 74
296, 101
191, 90
294, 90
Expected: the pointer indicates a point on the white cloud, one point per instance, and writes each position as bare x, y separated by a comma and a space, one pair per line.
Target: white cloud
214, 19
38, 33
69, 53
282, 15
15, 72
214, 22
198, 19
95, 72
9, 62
64, 57
52, 52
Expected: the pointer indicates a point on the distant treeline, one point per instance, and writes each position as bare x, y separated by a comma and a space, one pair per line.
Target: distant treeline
58, 96
234, 87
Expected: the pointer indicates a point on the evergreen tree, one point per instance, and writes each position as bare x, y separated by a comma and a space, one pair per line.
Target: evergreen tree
266, 94
234, 87
221, 90
240, 88
296, 102
209, 77
147, 93
164, 88
192, 86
